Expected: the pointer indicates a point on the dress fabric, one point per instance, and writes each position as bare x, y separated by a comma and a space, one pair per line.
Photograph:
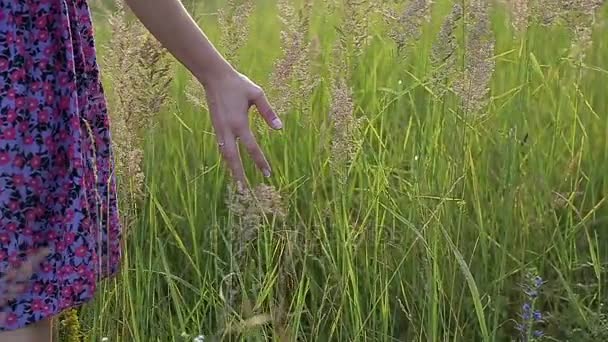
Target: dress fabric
57, 185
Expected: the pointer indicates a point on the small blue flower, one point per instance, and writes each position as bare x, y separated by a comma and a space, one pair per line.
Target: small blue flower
538, 333
531, 319
531, 293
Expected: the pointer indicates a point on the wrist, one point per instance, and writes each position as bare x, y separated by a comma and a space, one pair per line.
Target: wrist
222, 70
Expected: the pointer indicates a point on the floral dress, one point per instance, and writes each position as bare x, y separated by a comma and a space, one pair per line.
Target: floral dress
57, 187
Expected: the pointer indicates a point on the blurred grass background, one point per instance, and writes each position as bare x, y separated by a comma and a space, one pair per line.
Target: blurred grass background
426, 235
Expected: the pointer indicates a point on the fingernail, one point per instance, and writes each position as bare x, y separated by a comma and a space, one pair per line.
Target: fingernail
277, 124
239, 187
266, 173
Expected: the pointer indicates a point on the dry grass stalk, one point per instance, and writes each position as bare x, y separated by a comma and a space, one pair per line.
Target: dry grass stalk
346, 128
251, 208
233, 25
346, 137
545, 12
444, 54
294, 65
580, 17
139, 70
406, 27
520, 15
354, 31
474, 84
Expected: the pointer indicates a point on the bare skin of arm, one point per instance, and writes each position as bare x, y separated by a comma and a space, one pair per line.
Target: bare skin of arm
229, 93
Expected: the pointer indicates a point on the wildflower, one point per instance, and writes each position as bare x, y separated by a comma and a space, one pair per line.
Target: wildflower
526, 311
532, 293
530, 317
473, 85
538, 334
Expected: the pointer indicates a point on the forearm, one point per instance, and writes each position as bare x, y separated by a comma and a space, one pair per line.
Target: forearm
175, 29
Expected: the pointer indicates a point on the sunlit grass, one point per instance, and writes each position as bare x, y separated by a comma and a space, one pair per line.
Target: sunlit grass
428, 235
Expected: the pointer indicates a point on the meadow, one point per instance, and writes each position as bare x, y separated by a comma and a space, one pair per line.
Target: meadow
442, 176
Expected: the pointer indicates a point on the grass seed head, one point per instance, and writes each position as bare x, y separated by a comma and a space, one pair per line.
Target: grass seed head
580, 17
253, 206
140, 72
474, 85
294, 65
346, 127
407, 26
354, 31
234, 28
444, 54
520, 14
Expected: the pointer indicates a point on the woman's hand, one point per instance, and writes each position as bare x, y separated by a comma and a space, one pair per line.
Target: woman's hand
229, 98
229, 94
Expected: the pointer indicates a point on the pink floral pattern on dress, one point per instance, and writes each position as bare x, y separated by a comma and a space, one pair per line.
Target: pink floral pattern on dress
57, 186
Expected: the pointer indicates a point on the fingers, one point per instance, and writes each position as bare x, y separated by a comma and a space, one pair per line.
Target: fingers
255, 152
261, 103
230, 152
230, 124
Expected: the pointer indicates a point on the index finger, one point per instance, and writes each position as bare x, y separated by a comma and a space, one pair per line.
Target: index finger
263, 106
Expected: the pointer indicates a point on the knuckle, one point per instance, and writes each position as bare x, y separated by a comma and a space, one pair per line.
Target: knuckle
250, 143
257, 92
229, 153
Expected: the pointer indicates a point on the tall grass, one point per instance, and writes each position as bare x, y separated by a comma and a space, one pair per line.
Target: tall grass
425, 171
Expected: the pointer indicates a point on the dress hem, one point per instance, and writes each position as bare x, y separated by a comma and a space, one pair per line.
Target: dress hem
55, 313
